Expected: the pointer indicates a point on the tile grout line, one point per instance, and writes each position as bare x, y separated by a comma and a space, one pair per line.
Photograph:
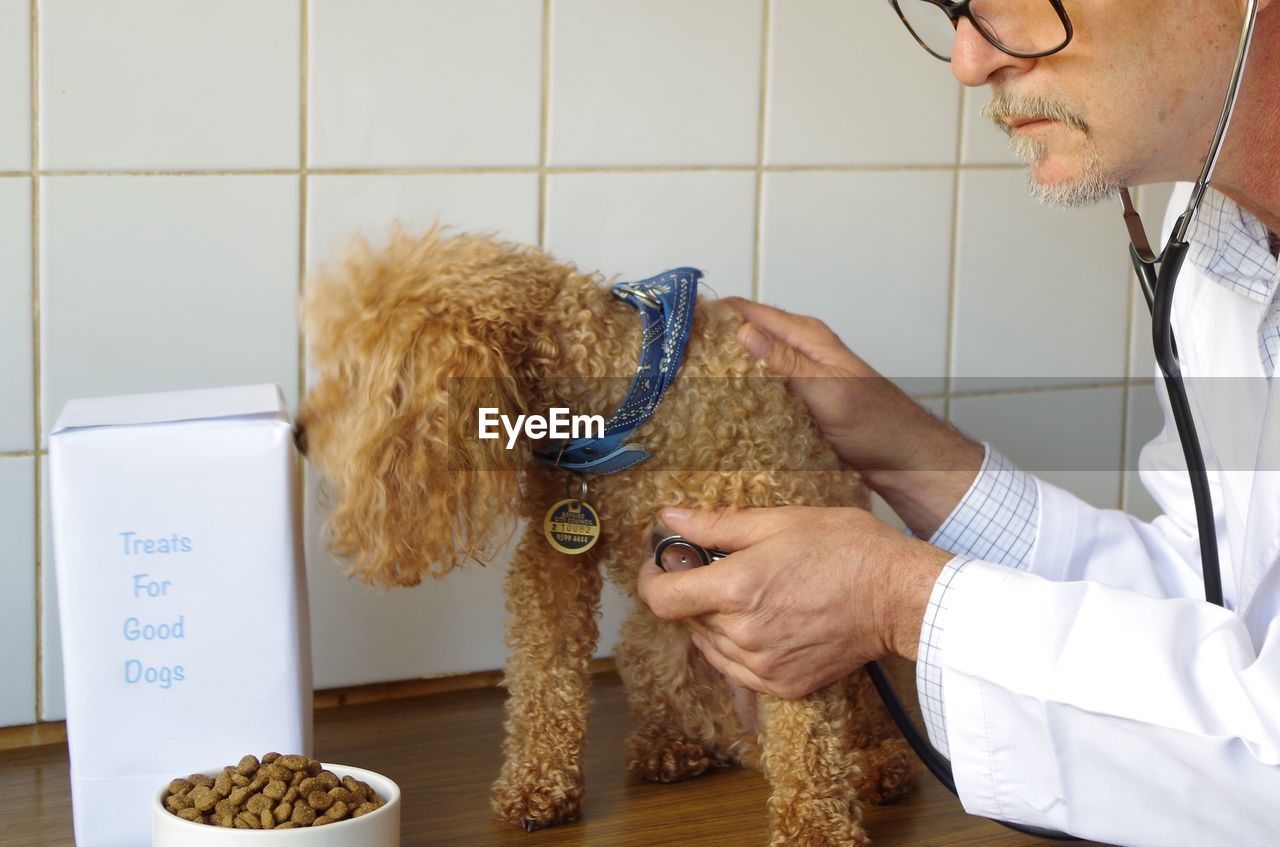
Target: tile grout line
304, 59
949, 344
159, 172
544, 123
1102, 385
36, 413
757, 245
409, 170
304, 64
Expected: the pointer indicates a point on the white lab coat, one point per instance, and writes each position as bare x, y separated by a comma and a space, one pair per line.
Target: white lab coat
1099, 694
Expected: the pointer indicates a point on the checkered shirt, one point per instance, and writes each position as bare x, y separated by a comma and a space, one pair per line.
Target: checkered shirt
998, 518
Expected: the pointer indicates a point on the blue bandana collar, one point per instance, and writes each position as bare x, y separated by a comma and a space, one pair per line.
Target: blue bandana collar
666, 304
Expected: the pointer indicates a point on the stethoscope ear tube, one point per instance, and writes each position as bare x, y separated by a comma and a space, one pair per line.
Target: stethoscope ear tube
1166, 353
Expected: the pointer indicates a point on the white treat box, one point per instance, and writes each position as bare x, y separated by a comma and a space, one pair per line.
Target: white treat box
181, 592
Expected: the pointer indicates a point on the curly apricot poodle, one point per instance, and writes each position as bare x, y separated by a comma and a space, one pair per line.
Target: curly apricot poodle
407, 342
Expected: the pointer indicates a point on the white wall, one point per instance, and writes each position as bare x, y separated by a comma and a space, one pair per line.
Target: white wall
183, 163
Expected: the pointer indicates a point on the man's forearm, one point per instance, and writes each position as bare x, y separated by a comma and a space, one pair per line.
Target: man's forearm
925, 495
905, 593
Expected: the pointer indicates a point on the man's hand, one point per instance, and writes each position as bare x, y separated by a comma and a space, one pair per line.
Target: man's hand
809, 596
920, 465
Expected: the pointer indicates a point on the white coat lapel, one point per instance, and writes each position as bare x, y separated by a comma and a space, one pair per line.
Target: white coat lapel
1262, 543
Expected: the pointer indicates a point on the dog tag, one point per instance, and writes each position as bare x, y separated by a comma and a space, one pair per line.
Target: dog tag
572, 526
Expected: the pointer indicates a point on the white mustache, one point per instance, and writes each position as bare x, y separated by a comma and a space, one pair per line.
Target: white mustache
1004, 106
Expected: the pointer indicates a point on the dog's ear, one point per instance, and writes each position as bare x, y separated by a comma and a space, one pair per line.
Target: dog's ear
391, 421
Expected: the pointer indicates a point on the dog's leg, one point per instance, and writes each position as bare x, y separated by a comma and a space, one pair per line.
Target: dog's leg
889, 769
552, 599
812, 772
654, 662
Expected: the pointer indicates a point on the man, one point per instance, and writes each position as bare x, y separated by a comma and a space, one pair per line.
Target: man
1068, 664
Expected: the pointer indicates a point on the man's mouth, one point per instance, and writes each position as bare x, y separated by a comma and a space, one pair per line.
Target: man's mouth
1025, 122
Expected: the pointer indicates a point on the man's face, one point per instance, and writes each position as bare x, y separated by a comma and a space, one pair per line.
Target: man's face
1134, 98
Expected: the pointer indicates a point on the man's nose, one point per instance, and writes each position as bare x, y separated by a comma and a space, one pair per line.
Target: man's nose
975, 60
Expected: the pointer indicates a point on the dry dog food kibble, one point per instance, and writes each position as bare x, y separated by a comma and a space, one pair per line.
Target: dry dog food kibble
276, 792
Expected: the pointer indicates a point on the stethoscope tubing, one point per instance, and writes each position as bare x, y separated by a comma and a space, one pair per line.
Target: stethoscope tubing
1166, 353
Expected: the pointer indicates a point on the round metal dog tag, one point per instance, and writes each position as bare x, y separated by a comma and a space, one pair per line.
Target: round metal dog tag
572, 526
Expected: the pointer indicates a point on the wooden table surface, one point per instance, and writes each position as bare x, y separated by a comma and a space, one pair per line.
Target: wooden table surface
443, 750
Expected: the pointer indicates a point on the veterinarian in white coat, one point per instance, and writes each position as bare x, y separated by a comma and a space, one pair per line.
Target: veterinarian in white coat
1069, 665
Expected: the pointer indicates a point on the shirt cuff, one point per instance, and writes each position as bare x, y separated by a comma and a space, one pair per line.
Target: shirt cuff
998, 518
929, 657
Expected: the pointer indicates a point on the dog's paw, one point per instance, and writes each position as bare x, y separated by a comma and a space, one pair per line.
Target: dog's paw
820, 837
662, 758
801, 819
889, 772
533, 804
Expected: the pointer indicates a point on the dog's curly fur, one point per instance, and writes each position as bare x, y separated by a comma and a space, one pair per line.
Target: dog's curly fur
397, 335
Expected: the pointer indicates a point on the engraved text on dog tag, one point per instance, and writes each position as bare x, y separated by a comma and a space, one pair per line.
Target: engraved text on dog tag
572, 526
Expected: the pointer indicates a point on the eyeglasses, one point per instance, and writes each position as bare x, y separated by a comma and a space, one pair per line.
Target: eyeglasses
1028, 29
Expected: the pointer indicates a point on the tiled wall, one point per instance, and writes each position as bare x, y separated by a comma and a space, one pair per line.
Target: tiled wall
170, 169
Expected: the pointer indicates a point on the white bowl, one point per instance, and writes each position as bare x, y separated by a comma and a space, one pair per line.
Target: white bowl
380, 828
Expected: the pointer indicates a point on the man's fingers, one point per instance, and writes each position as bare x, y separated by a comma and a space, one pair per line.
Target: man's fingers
781, 358
726, 529
723, 644
736, 673
809, 336
673, 596
727, 585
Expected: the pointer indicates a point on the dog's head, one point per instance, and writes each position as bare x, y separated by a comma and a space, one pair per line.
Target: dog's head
406, 343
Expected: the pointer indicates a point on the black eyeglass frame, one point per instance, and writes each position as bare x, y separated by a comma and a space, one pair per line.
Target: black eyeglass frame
957, 10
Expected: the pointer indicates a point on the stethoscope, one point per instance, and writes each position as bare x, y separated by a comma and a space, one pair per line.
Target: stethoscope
1157, 276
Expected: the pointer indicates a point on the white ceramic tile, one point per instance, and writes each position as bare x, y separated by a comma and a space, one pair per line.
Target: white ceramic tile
15, 85
849, 85
881, 510
53, 701
425, 82
1142, 362
1041, 293
1152, 200
870, 254
369, 204
1153, 204
17, 591
169, 84
1145, 422
163, 283
637, 225
452, 626
660, 82
1069, 438
15, 315
983, 144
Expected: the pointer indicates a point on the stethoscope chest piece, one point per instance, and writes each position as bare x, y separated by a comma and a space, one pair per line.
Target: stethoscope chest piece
674, 554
